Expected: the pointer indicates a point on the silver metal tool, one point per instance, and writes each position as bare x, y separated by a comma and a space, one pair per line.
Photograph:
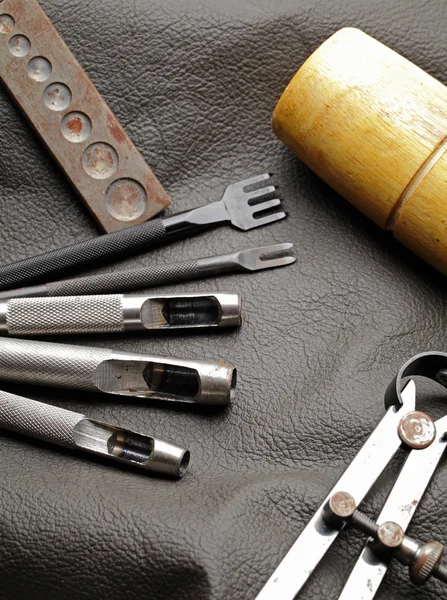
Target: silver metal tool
112, 372
402, 425
118, 313
78, 432
253, 259
241, 205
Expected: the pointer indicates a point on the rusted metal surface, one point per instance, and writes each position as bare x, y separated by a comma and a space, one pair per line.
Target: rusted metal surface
340, 507
73, 120
417, 430
390, 534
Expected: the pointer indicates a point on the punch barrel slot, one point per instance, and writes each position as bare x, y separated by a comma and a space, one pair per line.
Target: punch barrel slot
180, 312
146, 378
127, 446
105, 439
172, 379
201, 311
212, 310
113, 372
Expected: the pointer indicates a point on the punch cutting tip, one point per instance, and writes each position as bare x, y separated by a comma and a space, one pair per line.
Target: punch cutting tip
78, 432
118, 313
119, 373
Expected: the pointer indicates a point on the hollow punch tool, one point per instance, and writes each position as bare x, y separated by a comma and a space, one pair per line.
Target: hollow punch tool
244, 209
117, 313
250, 260
137, 375
402, 426
78, 432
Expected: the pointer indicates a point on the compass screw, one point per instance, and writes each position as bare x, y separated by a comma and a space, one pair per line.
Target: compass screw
417, 430
424, 560
390, 535
364, 523
428, 558
338, 509
441, 572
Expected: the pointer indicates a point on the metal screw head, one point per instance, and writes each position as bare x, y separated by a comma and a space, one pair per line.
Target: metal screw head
427, 559
390, 534
340, 507
417, 430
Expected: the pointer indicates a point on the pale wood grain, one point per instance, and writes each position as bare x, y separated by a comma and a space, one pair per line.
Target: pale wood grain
374, 127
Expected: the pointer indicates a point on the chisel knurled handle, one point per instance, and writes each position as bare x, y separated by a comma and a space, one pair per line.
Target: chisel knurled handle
109, 246
124, 280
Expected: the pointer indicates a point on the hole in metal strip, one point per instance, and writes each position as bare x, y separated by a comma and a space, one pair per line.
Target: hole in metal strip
57, 96
100, 160
19, 45
7, 24
76, 127
39, 68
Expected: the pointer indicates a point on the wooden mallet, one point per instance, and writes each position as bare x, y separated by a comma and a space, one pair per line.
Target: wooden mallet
374, 127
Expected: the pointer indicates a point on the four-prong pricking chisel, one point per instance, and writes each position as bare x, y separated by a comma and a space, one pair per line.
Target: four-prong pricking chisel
252, 259
133, 374
243, 209
78, 432
118, 313
402, 425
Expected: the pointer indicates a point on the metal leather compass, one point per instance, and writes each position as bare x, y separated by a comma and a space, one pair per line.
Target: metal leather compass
402, 425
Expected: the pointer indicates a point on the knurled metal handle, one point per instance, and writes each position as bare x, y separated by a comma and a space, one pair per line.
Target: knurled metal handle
125, 280
108, 246
38, 420
46, 363
66, 314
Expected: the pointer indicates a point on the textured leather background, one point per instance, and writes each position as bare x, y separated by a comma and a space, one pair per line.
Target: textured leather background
194, 82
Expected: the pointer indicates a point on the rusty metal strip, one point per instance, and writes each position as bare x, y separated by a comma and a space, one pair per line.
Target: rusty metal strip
73, 120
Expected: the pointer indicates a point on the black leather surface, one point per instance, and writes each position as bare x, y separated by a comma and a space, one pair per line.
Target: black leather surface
194, 83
